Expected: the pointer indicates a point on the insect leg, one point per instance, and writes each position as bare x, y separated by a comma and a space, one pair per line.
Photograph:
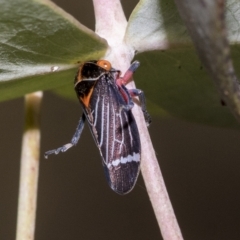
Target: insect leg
73, 142
139, 93
128, 74
122, 81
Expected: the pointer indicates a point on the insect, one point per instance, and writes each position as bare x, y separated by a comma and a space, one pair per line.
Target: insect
107, 105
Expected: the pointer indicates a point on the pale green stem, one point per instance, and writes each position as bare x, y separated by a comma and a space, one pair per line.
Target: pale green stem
111, 25
29, 168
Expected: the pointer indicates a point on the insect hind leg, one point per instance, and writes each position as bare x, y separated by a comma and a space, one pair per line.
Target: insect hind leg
73, 142
139, 93
127, 97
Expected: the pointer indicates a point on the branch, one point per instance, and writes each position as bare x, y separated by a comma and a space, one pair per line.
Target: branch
29, 168
111, 25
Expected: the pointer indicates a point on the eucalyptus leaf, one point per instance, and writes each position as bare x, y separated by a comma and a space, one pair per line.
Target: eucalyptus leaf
205, 21
156, 25
40, 47
171, 74
177, 83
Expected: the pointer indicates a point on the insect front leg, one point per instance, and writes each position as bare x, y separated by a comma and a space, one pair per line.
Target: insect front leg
128, 74
139, 93
122, 81
73, 142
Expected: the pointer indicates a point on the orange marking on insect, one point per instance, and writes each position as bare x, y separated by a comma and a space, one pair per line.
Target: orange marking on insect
86, 99
79, 75
104, 64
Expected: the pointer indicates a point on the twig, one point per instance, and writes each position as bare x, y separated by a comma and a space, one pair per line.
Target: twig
111, 25
29, 168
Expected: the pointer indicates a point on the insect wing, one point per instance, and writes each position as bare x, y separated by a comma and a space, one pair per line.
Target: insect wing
116, 134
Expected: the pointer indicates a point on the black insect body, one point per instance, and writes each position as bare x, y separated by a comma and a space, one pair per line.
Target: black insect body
107, 105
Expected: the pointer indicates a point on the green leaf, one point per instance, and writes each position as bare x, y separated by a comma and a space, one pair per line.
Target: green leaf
156, 24
176, 82
40, 47
206, 25
37, 36
171, 75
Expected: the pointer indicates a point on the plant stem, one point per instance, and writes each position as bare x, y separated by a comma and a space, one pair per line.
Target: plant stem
111, 25
29, 168
157, 190
155, 184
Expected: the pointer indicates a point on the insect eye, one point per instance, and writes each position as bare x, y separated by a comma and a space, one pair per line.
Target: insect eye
104, 64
